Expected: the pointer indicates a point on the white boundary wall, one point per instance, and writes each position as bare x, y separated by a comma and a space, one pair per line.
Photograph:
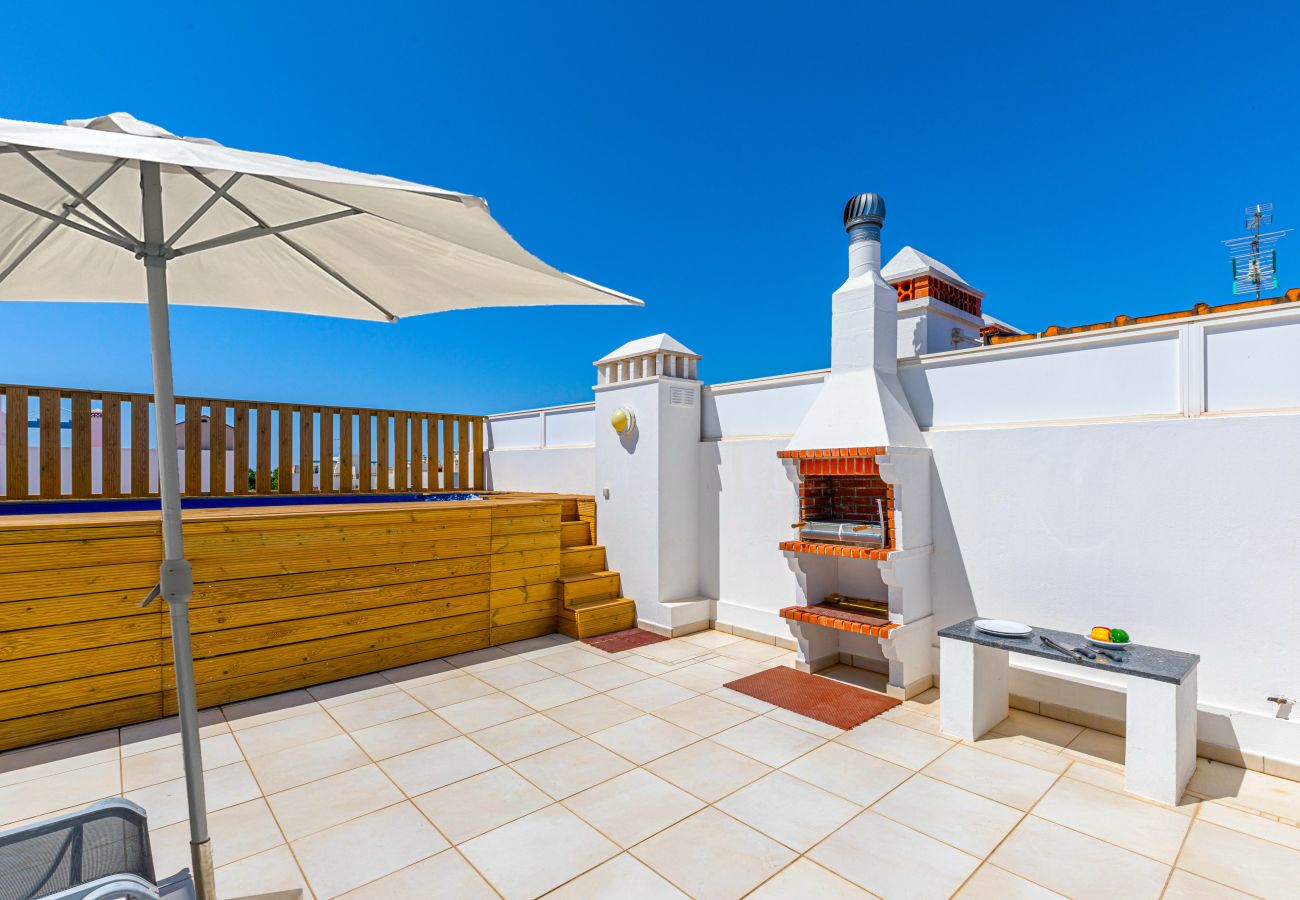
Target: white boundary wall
1143, 476
551, 449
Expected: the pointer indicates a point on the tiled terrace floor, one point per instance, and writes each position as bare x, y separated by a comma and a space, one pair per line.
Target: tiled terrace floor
548, 766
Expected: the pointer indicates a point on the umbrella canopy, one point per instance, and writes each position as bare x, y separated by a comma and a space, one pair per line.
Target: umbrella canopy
251, 230
99, 208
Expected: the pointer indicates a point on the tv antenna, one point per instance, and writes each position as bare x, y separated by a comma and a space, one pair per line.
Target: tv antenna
1254, 257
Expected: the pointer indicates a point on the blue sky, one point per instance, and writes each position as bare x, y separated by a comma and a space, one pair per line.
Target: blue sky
1073, 162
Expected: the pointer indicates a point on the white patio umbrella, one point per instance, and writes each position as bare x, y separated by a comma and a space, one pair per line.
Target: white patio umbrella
86, 205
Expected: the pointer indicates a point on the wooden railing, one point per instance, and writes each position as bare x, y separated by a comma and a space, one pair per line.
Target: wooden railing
228, 447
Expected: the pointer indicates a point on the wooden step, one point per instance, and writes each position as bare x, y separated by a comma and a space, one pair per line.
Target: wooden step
582, 560
597, 617
589, 586
576, 534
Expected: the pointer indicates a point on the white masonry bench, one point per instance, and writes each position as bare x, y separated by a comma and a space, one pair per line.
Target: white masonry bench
1160, 739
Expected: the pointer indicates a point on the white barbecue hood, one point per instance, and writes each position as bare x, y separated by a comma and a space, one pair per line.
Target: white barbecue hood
861, 403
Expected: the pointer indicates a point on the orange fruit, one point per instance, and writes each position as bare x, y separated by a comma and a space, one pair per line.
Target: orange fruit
1101, 634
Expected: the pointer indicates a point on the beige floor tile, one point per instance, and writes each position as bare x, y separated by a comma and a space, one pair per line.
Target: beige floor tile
651, 694
1186, 886
446, 691
478, 660
1124, 821
623, 876
293, 766
564, 770
708, 770
796, 813
145, 737
750, 650
741, 667
569, 660
891, 860
711, 855
143, 769
30, 763
592, 713
541, 851
376, 710
1097, 748
647, 665
991, 883
75, 787
644, 738
351, 690
926, 703
444, 874
402, 735
237, 831
967, 821
744, 701
1252, 824
804, 723
432, 767
710, 639
393, 838
1071, 863
483, 712
848, 773
331, 801
551, 692
1241, 861
607, 676
896, 743
419, 673
804, 879
1030, 726
901, 715
262, 873
480, 803
1036, 754
704, 715
283, 733
631, 807
1112, 779
166, 802
542, 643
1243, 787
261, 710
700, 676
514, 674
988, 775
768, 741
522, 737
671, 651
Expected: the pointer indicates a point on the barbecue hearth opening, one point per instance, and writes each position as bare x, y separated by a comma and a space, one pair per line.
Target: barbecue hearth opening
843, 500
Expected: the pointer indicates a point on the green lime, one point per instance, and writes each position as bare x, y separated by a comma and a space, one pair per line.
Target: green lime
1119, 636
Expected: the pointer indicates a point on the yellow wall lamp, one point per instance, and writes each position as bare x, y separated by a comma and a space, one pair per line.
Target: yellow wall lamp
623, 421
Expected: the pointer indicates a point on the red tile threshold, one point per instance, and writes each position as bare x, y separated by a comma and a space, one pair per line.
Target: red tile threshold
628, 639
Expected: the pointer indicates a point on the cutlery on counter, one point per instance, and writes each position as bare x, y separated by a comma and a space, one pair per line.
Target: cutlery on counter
1078, 654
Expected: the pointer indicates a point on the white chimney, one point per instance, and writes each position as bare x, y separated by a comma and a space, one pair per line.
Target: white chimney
861, 403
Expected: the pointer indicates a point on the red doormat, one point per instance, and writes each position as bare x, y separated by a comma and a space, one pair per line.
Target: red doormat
823, 699
628, 639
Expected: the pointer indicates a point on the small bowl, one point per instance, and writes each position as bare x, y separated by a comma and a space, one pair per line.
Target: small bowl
1105, 644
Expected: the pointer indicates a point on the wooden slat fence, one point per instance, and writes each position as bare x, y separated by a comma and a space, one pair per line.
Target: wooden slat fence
102, 448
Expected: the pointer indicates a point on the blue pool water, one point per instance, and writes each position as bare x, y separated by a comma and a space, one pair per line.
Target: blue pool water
35, 507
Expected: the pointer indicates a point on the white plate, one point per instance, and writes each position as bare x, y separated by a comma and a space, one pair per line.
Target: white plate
1003, 627
1097, 643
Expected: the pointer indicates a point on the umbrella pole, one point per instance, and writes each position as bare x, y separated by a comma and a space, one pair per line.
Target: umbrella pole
176, 580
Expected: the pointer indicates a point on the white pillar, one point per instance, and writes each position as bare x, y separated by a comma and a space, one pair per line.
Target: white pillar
647, 489
974, 688
1160, 737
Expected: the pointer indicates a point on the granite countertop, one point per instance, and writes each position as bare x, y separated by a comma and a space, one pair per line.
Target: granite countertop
1140, 661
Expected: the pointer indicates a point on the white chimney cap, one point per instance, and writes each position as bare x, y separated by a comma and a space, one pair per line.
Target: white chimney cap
910, 262
656, 343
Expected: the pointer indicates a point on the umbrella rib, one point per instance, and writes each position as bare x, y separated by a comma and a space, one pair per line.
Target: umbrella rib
108, 221
257, 231
68, 209
203, 208
66, 222
297, 248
